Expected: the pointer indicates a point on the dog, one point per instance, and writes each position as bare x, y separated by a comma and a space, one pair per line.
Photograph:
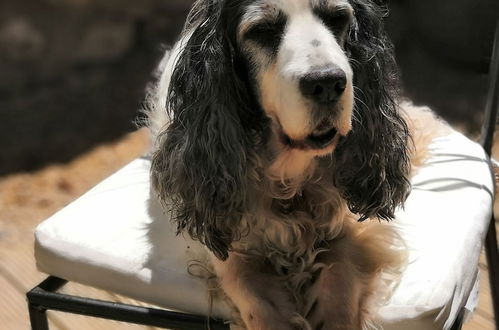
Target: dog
279, 129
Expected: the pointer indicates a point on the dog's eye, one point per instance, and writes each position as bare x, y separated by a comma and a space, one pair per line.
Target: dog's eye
266, 34
337, 21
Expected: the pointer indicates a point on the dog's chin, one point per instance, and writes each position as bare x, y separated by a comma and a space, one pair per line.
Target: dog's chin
321, 141
329, 149
294, 150
318, 138
318, 143
294, 158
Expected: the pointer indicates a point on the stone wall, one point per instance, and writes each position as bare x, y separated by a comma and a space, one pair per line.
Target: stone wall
73, 72
443, 49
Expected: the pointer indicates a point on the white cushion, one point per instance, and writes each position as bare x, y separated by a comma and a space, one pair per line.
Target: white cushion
115, 238
444, 223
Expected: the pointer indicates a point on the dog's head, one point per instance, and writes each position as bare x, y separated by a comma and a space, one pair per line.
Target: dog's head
298, 79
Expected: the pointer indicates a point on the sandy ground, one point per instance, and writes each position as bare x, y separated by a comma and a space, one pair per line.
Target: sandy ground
28, 197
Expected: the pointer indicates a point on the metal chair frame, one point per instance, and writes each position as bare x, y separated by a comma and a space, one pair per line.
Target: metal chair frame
45, 297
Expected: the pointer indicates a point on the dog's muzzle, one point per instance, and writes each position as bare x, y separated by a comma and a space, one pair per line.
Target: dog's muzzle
323, 87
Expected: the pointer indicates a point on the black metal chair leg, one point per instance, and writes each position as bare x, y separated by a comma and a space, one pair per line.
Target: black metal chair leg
38, 317
45, 297
38, 312
488, 128
458, 323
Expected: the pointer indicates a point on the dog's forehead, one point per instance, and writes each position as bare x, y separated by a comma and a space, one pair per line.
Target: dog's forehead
271, 10
259, 8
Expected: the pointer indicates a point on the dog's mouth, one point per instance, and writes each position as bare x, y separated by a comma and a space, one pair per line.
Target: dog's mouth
321, 140
324, 136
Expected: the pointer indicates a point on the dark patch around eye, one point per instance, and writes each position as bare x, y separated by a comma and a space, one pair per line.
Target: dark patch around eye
336, 21
268, 34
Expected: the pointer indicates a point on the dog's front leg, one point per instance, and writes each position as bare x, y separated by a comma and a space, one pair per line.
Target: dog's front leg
334, 301
350, 286
257, 292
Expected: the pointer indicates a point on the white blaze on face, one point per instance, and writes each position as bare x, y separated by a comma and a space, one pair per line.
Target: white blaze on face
307, 44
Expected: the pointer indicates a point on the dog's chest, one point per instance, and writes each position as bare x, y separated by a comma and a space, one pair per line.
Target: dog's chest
294, 228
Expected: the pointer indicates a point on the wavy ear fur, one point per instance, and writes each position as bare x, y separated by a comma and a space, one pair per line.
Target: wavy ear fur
372, 163
200, 168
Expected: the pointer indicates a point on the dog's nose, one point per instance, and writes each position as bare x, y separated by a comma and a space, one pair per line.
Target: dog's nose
324, 86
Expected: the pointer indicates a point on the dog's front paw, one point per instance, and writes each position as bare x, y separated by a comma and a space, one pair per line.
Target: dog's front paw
321, 316
333, 302
265, 315
271, 310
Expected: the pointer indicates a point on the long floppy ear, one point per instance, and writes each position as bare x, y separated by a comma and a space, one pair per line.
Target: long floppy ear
200, 168
372, 163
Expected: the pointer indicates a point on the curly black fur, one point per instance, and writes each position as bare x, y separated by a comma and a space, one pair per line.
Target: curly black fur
372, 163
202, 164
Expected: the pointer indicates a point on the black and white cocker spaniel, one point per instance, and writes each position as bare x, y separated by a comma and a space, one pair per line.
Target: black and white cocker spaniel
278, 130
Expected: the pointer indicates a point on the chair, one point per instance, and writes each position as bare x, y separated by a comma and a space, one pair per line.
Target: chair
115, 237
